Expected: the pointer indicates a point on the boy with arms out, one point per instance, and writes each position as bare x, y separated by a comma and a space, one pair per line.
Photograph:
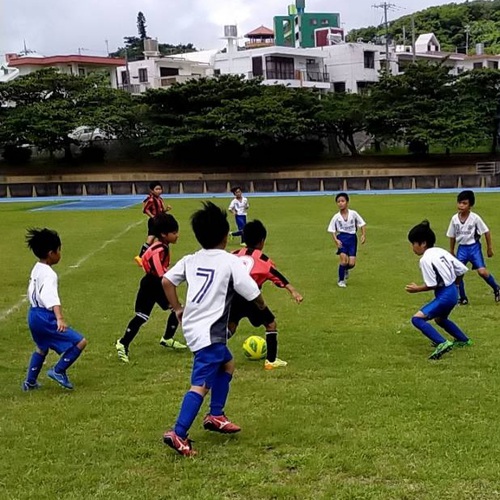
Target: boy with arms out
152, 206
239, 208
45, 317
440, 271
261, 269
155, 262
212, 276
466, 229
343, 228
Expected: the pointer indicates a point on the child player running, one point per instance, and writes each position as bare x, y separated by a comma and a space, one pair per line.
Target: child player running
212, 274
441, 271
239, 207
155, 262
45, 318
344, 226
152, 206
466, 229
261, 269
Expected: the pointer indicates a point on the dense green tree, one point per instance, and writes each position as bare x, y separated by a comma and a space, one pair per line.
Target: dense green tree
42, 108
141, 25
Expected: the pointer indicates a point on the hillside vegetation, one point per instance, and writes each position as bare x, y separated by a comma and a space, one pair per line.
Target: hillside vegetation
449, 23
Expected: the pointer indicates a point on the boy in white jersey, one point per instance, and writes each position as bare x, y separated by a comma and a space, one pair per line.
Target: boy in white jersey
239, 208
45, 318
466, 229
343, 227
440, 271
212, 276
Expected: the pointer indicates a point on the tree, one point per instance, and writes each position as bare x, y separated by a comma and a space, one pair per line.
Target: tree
141, 26
42, 108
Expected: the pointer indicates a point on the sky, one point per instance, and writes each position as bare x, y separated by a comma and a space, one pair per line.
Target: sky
52, 27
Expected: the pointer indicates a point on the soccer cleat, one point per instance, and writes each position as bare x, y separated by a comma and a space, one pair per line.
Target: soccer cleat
459, 343
138, 260
173, 344
122, 351
272, 365
441, 349
181, 446
342, 284
243, 244
60, 378
497, 295
464, 301
220, 424
28, 386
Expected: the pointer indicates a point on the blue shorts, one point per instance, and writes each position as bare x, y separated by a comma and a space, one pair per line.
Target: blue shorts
208, 362
445, 300
43, 326
471, 253
349, 244
241, 221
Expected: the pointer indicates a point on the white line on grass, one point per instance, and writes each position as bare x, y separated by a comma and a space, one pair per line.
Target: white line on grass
5, 314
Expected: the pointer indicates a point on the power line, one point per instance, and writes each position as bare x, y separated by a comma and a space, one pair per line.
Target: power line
387, 7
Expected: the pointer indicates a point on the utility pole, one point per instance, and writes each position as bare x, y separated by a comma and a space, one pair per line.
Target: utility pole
467, 32
386, 6
413, 50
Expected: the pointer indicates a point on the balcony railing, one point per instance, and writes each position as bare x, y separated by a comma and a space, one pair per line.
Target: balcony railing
304, 75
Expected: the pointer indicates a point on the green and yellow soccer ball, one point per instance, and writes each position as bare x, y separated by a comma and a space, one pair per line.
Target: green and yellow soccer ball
255, 348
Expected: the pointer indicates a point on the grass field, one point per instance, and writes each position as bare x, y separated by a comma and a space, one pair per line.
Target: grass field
359, 413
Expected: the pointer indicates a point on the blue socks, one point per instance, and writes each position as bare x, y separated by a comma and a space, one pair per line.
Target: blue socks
67, 359
428, 330
491, 281
36, 363
220, 390
450, 327
342, 272
190, 407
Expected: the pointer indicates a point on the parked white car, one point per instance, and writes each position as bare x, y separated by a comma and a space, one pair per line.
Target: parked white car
87, 134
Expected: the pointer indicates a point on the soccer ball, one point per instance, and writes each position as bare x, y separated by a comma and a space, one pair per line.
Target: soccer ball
255, 348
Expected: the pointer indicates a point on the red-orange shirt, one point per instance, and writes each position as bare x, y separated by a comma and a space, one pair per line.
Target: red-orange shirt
156, 259
261, 267
153, 204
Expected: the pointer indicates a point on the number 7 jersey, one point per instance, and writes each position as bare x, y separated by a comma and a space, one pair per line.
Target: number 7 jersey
212, 277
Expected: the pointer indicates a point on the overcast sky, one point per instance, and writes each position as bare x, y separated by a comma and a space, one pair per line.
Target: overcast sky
53, 27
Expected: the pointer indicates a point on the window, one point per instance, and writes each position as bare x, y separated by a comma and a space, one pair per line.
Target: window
478, 65
169, 72
313, 22
125, 78
257, 69
493, 64
339, 86
325, 22
279, 68
81, 71
369, 59
143, 75
364, 87
216, 72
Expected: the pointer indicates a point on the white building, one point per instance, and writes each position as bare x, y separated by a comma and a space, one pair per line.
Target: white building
70, 64
159, 71
352, 67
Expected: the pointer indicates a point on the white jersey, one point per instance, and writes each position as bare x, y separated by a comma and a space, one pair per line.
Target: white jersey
439, 268
212, 277
468, 232
42, 288
239, 206
349, 225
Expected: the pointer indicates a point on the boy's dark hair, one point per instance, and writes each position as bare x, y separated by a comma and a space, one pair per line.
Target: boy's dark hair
210, 225
253, 233
42, 241
342, 195
422, 233
467, 195
164, 223
153, 184
235, 188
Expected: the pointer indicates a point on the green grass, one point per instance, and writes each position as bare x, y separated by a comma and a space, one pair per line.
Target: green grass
359, 413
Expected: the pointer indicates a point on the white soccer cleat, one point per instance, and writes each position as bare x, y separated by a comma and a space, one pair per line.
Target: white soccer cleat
342, 284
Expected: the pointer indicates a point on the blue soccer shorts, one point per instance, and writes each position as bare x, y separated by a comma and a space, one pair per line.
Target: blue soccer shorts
43, 327
241, 221
445, 300
471, 253
349, 244
208, 362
